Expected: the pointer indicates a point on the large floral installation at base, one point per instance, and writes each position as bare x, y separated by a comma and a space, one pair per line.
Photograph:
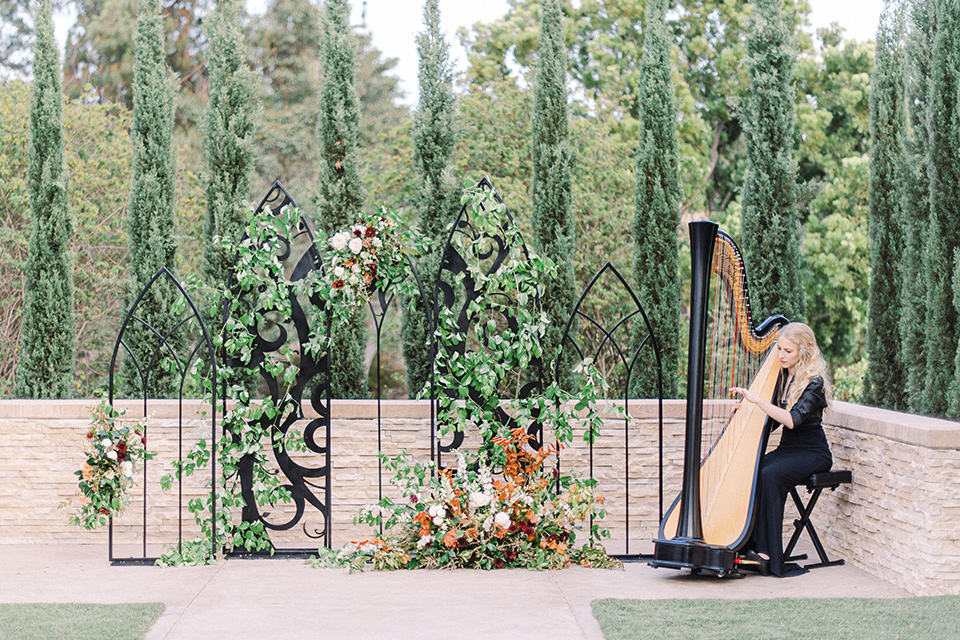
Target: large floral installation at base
114, 452
471, 517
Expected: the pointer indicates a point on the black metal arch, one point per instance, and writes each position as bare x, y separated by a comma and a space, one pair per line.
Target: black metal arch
306, 484
183, 363
628, 359
445, 297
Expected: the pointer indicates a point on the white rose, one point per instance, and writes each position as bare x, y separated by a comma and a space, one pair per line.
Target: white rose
438, 521
356, 245
424, 541
109, 475
339, 241
502, 519
354, 279
479, 500
338, 272
377, 242
112, 454
106, 443
487, 523
127, 468
436, 511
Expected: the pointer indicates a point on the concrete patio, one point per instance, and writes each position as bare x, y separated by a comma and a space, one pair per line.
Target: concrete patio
285, 598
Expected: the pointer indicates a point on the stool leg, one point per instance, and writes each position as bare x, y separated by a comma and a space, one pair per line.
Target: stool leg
798, 528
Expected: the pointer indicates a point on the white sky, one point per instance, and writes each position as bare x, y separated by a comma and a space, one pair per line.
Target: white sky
394, 24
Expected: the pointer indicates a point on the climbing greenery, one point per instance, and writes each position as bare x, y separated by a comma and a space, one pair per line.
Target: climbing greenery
505, 503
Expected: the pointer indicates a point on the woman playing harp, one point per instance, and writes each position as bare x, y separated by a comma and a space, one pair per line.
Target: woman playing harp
802, 391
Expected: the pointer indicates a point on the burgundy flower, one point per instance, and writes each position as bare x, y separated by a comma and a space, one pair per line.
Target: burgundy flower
358, 233
413, 498
498, 562
338, 283
371, 232
121, 451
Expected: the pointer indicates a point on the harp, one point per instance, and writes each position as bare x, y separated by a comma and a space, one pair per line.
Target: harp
724, 440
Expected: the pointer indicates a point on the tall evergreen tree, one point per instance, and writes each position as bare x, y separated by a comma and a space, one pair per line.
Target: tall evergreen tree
656, 265
943, 233
916, 203
770, 221
883, 384
434, 141
151, 221
229, 132
341, 192
552, 215
45, 367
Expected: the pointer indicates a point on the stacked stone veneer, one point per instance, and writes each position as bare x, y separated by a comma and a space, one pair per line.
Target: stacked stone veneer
899, 519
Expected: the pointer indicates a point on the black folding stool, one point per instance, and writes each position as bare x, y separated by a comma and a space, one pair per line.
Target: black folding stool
815, 484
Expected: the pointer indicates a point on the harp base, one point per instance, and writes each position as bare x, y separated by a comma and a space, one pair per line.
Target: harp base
687, 553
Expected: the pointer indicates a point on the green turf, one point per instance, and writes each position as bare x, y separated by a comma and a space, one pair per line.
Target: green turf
810, 619
87, 621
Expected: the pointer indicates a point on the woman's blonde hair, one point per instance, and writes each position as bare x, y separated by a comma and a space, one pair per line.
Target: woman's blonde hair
811, 363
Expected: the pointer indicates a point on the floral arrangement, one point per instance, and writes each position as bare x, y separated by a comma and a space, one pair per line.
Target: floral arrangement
114, 452
365, 258
471, 517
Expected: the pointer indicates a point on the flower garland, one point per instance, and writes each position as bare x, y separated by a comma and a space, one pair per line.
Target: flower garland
365, 258
114, 452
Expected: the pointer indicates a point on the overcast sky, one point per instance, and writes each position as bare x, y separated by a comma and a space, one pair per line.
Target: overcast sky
394, 23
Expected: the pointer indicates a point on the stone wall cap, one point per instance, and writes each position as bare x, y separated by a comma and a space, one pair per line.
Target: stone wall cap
923, 431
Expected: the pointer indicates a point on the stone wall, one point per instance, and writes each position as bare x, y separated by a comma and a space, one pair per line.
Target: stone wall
899, 519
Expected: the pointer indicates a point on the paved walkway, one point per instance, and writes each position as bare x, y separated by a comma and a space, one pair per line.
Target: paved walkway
273, 598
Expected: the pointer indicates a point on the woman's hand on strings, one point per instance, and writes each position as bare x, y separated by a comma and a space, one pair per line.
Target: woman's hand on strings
747, 394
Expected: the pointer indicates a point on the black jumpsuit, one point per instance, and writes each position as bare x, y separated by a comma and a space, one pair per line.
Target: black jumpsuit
803, 451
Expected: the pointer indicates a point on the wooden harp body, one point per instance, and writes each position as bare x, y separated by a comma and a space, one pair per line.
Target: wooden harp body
724, 440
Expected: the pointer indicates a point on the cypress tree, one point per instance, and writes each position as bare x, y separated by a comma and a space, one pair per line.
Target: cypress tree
341, 195
434, 141
45, 366
655, 254
943, 232
552, 188
954, 399
229, 131
916, 204
770, 221
151, 221
883, 384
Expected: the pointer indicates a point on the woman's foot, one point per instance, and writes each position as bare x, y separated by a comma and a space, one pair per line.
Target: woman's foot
753, 561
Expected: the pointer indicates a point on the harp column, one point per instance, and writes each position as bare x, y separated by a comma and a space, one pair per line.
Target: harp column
702, 241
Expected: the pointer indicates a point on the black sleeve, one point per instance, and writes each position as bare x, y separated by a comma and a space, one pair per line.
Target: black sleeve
811, 401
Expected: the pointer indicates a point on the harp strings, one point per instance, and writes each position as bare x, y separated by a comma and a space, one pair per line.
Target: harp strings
732, 362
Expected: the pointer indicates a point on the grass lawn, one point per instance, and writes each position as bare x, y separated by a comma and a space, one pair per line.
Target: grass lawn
810, 619
87, 621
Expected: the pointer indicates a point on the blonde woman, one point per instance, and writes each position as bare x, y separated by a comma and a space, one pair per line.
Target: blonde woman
801, 395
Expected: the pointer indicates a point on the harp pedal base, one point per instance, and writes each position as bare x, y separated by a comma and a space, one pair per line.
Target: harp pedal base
696, 555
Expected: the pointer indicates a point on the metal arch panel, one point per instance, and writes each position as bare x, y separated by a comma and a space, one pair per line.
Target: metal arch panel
202, 344
307, 480
615, 335
453, 267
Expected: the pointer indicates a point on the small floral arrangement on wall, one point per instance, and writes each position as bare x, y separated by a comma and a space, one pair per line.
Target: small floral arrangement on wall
366, 257
114, 452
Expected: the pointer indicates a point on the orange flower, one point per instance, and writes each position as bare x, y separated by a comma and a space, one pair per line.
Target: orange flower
562, 548
532, 517
424, 519
87, 472
473, 533
450, 540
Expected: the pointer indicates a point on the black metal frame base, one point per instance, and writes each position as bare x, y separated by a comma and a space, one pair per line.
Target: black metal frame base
815, 484
695, 555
